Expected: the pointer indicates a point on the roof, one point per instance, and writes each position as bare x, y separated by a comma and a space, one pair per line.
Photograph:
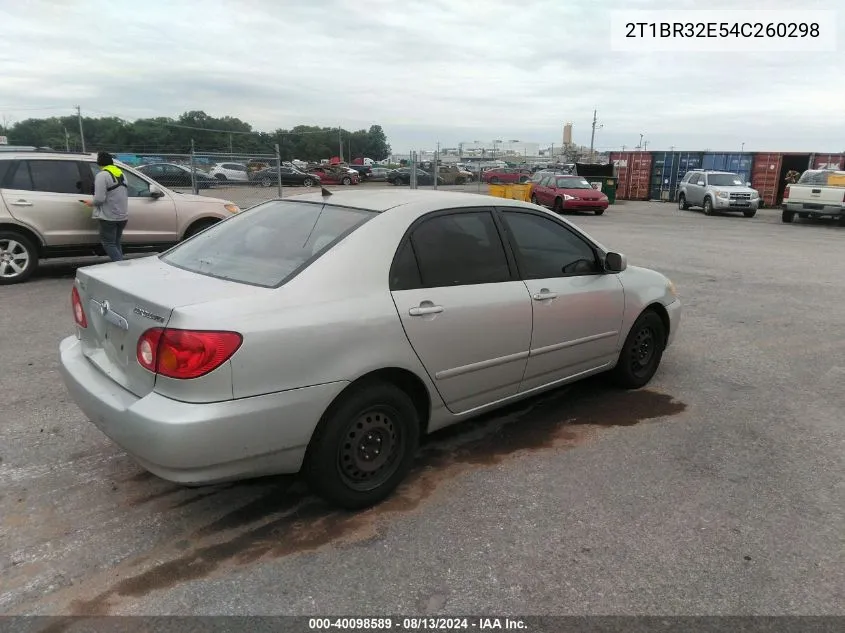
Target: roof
384, 199
34, 154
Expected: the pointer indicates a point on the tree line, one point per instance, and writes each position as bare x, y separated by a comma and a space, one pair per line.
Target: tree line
165, 135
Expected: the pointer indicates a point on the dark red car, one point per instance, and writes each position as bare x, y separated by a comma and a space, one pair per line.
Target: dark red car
336, 175
568, 193
506, 176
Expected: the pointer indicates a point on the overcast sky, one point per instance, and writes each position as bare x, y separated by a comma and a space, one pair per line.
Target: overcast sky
426, 71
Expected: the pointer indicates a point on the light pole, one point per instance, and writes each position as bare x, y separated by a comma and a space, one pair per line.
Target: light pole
742, 149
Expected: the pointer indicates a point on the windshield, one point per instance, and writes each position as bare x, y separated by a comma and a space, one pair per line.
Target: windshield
572, 182
725, 180
267, 244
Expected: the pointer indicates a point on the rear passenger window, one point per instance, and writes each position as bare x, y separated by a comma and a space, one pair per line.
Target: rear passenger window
405, 274
4, 169
20, 179
55, 176
460, 249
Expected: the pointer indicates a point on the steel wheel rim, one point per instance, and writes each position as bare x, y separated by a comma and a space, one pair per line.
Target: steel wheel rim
681, 202
14, 258
643, 351
371, 446
308, 182
265, 182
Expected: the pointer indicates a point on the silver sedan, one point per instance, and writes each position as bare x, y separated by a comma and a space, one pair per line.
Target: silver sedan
325, 333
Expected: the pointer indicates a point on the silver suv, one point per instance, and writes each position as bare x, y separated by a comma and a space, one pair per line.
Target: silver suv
717, 191
42, 213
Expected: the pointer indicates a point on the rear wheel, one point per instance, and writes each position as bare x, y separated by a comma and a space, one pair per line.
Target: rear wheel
266, 182
787, 217
749, 214
682, 203
220, 177
397, 181
640, 356
18, 258
599, 211
364, 446
346, 180
308, 182
708, 206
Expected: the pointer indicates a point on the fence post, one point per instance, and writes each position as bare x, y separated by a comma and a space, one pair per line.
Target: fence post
193, 170
435, 169
279, 169
413, 170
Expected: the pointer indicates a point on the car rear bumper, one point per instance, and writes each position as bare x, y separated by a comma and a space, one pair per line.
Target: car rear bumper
674, 312
192, 443
814, 210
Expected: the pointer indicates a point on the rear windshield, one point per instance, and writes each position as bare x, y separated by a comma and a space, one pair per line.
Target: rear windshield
823, 178
268, 244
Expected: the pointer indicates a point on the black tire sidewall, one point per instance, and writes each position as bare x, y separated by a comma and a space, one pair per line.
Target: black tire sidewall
708, 207
32, 263
346, 181
682, 202
622, 373
320, 468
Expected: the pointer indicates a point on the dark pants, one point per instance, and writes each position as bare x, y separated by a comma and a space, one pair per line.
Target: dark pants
110, 234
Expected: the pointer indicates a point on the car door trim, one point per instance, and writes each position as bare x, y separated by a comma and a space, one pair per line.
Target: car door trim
539, 351
485, 364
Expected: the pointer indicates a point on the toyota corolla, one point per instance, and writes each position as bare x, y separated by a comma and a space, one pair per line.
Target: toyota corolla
325, 333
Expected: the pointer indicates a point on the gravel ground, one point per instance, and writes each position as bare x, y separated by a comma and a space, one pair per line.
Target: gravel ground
717, 490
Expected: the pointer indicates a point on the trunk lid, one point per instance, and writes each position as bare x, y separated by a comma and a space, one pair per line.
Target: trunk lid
122, 301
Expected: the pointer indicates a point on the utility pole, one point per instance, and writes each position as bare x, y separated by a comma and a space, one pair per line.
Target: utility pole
67, 140
593, 135
645, 147
230, 143
340, 144
742, 150
640, 146
81, 133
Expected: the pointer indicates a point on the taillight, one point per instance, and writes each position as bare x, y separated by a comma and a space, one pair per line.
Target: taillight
184, 354
78, 312
786, 192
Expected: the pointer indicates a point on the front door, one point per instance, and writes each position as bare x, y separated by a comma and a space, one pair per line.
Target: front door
464, 312
695, 190
151, 220
577, 308
47, 195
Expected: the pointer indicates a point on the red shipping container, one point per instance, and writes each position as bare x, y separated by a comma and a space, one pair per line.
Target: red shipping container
634, 172
828, 161
765, 176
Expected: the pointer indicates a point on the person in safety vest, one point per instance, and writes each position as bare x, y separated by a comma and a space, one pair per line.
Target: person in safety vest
111, 205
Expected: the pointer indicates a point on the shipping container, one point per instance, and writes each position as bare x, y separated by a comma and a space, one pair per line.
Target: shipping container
668, 168
634, 172
739, 164
828, 161
768, 174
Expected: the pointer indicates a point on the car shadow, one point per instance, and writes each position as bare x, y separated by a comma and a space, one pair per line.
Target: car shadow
231, 525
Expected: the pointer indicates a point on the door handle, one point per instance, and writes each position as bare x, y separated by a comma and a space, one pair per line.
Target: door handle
22, 203
544, 295
424, 310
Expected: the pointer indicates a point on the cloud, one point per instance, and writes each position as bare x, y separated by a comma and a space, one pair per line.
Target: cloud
426, 70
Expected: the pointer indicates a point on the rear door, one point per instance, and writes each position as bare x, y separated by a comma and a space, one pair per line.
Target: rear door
577, 308
151, 220
463, 309
47, 195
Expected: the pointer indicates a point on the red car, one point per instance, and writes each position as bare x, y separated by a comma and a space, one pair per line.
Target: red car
506, 175
568, 193
336, 175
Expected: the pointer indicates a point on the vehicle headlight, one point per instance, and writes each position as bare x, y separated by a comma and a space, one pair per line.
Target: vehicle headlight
232, 208
566, 196
754, 195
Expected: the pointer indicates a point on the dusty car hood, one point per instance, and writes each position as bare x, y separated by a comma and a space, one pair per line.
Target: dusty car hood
189, 197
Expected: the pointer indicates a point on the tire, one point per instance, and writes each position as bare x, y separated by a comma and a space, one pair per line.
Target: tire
557, 207
397, 182
198, 227
460, 181
682, 203
803, 216
523, 180
266, 182
221, 177
336, 468
534, 199
494, 181
708, 206
749, 214
308, 182
599, 211
17, 249
346, 180
631, 372
787, 217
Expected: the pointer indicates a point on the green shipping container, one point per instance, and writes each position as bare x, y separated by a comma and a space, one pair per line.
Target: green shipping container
608, 185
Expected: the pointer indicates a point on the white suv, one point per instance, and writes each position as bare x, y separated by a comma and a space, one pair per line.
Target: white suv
42, 213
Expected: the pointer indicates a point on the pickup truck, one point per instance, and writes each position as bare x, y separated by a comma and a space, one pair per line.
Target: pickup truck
818, 193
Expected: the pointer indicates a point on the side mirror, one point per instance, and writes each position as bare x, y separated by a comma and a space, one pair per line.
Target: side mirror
615, 262
155, 192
